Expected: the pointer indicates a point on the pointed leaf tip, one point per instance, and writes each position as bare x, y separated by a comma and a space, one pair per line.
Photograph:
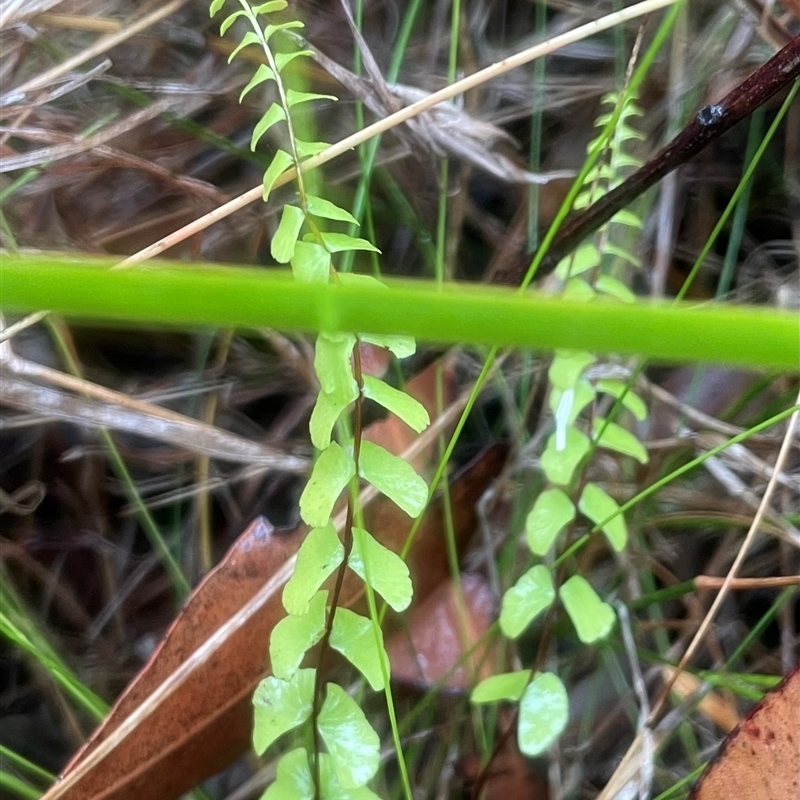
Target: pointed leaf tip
563, 454
384, 570
394, 477
361, 644
402, 405
271, 116
551, 512
567, 367
281, 161
263, 73
508, 686
603, 510
319, 555
615, 437
285, 238
294, 635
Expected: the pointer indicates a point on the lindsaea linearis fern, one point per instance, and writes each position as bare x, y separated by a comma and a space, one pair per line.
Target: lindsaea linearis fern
294, 696
573, 389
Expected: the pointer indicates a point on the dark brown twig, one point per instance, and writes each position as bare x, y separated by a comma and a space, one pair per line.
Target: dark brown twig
709, 123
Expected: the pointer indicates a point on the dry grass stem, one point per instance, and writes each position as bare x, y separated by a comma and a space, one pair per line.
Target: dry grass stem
101, 46
780, 463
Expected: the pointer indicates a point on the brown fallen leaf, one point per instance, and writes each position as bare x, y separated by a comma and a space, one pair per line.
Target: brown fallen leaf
760, 759
199, 729
205, 723
437, 644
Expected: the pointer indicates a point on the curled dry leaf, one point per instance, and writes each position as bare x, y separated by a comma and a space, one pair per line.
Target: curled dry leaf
760, 759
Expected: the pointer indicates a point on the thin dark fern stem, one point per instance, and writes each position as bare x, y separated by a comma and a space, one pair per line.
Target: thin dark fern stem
347, 542
705, 127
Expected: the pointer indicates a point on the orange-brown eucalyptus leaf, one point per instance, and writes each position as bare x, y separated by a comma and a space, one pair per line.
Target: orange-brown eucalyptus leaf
202, 727
760, 759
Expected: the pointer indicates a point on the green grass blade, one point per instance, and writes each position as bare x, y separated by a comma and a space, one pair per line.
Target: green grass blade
37, 648
194, 295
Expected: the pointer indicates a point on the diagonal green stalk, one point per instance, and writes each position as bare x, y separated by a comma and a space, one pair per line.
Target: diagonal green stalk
32, 643
23, 763
14, 785
375, 619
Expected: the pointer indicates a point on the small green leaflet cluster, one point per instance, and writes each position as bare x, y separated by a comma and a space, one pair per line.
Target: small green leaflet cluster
608, 252
542, 698
286, 700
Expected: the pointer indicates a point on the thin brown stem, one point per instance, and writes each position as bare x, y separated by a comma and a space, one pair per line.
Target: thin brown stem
347, 541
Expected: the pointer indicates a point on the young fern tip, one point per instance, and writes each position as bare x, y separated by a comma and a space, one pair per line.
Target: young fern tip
293, 696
